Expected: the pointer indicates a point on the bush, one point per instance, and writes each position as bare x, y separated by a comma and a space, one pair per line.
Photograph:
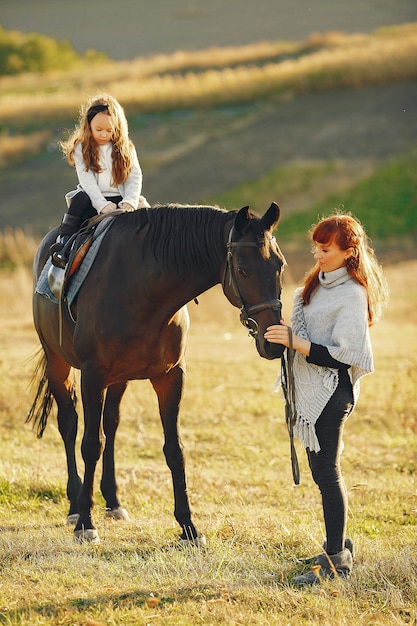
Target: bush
32, 52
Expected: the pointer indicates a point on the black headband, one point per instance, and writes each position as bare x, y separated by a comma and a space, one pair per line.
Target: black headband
97, 108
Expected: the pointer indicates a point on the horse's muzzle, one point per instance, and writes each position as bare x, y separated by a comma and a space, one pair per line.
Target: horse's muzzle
269, 350
270, 310
265, 349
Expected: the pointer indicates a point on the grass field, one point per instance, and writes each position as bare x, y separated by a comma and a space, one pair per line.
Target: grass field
256, 522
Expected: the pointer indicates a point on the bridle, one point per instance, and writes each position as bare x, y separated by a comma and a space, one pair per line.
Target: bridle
246, 312
287, 379
288, 389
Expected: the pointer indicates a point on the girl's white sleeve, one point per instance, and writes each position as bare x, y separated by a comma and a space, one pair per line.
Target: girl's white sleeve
88, 181
132, 188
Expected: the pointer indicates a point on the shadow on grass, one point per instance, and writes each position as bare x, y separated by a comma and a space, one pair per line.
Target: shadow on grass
145, 599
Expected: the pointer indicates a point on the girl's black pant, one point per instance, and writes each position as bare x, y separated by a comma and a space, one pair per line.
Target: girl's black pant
81, 205
79, 211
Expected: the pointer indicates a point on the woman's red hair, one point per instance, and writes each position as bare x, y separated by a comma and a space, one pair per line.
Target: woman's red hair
348, 233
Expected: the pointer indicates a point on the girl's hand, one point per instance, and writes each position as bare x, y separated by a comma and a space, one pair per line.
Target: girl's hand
108, 208
126, 206
278, 333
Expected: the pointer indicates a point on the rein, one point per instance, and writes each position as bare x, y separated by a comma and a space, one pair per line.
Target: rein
288, 387
245, 311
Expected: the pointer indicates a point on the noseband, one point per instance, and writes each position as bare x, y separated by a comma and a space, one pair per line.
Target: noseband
246, 312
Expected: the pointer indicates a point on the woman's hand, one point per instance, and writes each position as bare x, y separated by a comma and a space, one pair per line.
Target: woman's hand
278, 333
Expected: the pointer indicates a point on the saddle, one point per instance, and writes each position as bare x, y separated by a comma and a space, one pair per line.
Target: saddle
86, 240
58, 278
82, 243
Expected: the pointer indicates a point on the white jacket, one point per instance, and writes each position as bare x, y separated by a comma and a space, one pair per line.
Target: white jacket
98, 186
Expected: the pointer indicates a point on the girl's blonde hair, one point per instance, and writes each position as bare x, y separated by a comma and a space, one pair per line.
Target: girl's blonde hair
347, 232
122, 145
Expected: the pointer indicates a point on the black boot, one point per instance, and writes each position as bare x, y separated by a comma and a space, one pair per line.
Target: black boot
59, 250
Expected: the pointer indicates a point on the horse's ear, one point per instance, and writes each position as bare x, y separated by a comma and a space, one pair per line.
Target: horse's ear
271, 217
242, 220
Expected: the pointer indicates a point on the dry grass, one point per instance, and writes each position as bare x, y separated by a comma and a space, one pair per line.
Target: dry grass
256, 522
229, 75
17, 248
12, 146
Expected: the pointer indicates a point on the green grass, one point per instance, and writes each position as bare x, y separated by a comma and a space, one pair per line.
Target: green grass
385, 202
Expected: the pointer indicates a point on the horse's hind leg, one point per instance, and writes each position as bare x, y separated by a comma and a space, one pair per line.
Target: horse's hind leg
168, 388
64, 393
111, 419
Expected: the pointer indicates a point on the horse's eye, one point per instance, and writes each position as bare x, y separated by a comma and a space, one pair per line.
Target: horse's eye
243, 273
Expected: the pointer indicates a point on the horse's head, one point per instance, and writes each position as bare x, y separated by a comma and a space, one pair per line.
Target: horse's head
252, 276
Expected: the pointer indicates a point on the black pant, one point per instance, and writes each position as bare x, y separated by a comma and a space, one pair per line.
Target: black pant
325, 464
81, 205
79, 211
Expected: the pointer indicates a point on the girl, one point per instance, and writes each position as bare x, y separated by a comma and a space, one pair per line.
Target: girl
342, 296
108, 170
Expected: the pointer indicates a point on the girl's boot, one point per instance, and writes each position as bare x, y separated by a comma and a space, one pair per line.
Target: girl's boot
69, 226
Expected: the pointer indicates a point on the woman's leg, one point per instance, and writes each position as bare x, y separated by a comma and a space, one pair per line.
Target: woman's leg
325, 464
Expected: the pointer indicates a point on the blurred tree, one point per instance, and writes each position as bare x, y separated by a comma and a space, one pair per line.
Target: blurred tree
32, 52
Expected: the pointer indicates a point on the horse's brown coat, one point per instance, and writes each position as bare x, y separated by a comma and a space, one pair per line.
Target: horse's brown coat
132, 323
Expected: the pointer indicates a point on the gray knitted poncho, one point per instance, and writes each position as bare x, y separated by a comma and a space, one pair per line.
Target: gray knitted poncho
337, 318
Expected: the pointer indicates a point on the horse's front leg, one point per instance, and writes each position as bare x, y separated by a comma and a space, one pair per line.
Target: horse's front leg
91, 447
63, 391
168, 388
111, 419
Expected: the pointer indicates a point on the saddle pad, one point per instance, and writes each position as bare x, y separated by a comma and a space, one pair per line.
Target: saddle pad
74, 285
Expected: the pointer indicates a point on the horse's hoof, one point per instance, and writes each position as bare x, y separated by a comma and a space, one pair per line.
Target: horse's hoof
73, 519
89, 535
199, 541
120, 514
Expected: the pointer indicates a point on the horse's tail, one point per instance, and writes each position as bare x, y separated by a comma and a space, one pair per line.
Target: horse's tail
42, 404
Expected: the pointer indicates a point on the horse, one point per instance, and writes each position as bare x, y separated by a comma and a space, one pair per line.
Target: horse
130, 321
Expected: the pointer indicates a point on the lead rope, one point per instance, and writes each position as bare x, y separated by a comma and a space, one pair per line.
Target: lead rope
290, 410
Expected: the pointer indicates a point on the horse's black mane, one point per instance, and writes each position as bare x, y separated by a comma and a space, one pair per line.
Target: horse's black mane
184, 237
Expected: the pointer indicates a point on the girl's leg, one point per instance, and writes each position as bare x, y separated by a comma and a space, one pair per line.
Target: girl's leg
80, 209
325, 464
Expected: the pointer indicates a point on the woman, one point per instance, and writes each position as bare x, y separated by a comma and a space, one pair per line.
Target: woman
107, 166
342, 296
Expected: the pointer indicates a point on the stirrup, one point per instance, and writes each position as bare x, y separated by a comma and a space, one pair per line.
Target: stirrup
56, 247
60, 250
58, 260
